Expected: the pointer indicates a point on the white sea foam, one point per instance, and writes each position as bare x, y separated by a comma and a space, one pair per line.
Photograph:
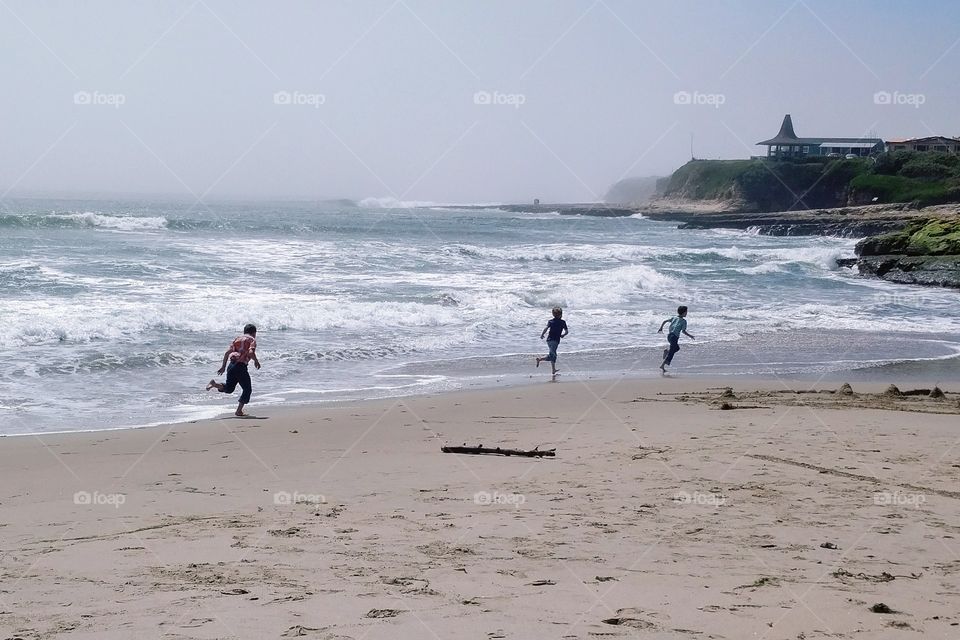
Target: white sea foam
83, 319
759, 269
390, 202
603, 288
557, 252
120, 223
342, 294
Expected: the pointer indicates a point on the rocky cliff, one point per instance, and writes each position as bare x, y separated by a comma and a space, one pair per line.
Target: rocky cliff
926, 252
759, 185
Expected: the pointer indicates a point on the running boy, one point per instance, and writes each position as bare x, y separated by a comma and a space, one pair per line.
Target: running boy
242, 350
678, 325
557, 329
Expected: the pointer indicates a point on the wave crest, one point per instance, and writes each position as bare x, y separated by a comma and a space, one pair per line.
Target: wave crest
90, 219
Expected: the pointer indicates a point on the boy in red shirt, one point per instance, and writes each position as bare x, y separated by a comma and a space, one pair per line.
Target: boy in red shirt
241, 351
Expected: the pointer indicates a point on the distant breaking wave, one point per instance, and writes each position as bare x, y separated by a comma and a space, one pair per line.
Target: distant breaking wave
394, 203
85, 219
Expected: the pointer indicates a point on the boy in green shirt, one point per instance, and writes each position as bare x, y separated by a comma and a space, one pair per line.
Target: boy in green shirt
678, 325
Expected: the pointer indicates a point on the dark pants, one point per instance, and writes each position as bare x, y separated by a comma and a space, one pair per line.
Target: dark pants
552, 355
238, 374
674, 347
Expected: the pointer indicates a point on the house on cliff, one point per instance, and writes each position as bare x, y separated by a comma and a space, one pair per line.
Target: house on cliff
786, 144
930, 143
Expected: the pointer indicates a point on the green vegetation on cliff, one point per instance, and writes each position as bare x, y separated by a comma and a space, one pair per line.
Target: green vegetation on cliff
909, 176
939, 237
922, 178
927, 252
707, 179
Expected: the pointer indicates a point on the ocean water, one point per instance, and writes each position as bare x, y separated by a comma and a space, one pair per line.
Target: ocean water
116, 313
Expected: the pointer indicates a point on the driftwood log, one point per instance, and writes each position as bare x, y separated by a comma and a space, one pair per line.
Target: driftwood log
482, 450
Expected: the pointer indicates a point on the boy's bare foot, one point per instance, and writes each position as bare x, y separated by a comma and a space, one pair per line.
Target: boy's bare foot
211, 384
240, 414
663, 368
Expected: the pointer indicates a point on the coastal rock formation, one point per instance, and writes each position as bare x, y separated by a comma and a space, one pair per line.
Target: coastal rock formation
926, 252
845, 221
812, 182
588, 209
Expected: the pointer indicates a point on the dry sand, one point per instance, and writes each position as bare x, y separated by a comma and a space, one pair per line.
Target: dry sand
660, 518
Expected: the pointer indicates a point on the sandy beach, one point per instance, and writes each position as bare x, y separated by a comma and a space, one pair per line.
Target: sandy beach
661, 515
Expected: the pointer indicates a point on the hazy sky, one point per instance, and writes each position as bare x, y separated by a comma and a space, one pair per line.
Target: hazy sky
381, 97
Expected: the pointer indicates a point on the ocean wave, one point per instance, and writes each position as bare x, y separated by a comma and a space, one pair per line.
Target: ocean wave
84, 219
122, 223
760, 269
602, 288
824, 257
556, 252
83, 320
389, 202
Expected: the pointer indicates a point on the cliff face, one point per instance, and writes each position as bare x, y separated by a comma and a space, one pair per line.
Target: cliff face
763, 186
923, 179
926, 252
706, 180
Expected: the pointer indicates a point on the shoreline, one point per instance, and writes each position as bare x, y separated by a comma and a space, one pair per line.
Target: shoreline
669, 514
697, 379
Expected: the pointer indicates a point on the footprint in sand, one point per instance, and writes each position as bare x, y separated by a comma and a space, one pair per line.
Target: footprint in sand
383, 613
300, 631
411, 586
440, 549
195, 622
632, 618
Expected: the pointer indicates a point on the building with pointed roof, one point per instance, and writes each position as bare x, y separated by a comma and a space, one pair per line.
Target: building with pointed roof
786, 144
